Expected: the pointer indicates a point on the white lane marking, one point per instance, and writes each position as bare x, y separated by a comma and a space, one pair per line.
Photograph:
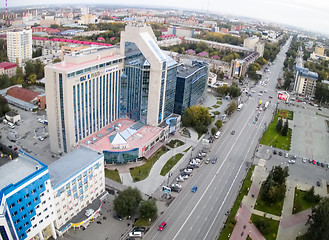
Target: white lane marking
180, 229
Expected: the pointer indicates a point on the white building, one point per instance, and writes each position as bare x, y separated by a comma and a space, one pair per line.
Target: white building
78, 183
19, 46
250, 42
305, 82
82, 95
27, 209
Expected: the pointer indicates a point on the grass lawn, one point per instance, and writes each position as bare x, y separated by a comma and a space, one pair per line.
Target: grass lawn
230, 223
113, 174
215, 106
272, 138
216, 112
272, 229
286, 114
186, 150
142, 222
300, 204
142, 172
170, 164
249, 238
219, 102
274, 209
175, 141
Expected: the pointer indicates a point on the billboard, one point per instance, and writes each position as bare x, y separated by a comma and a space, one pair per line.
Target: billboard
283, 96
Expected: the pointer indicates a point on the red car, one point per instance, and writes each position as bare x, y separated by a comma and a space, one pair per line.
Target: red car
314, 162
162, 226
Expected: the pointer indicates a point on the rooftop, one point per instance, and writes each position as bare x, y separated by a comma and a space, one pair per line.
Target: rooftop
185, 70
7, 65
121, 135
70, 164
23, 94
17, 169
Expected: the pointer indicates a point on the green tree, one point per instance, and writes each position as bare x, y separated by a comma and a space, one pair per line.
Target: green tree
311, 197
279, 125
223, 90
318, 221
195, 115
231, 108
213, 130
127, 202
279, 174
234, 91
56, 60
148, 209
29, 69
4, 108
32, 78
219, 124
285, 128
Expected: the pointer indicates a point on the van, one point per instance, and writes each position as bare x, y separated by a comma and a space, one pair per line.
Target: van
135, 234
11, 125
217, 134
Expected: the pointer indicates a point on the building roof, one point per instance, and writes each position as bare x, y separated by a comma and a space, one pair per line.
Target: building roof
71, 41
71, 164
121, 135
7, 65
185, 70
18, 169
190, 51
12, 114
203, 54
23, 94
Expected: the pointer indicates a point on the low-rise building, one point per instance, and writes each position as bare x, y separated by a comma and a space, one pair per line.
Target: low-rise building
8, 68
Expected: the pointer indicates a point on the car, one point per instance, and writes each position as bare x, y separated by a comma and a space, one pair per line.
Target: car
318, 163
304, 160
274, 152
175, 189
135, 234
89, 212
322, 164
162, 226
280, 153
187, 170
294, 157
286, 155
314, 162
207, 161
139, 229
318, 183
194, 189
214, 160
270, 97
180, 179
176, 185
291, 161
117, 217
184, 176
41, 138
233, 132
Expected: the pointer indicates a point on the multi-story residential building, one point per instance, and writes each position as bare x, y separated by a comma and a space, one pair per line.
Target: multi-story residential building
305, 82
8, 68
250, 42
192, 77
82, 95
148, 87
19, 46
78, 184
27, 209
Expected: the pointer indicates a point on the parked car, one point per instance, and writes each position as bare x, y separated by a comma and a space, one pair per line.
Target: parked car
194, 189
175, 189
274, 151
214, 160
286, 155
318, 183
117, 217
322, 164
139, 229
280, 153
162, 226
291, 161
135, 234
304, 160
180, 179
207, 161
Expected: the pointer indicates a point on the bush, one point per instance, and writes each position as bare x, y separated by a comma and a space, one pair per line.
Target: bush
219, 124
213, 130
262, 226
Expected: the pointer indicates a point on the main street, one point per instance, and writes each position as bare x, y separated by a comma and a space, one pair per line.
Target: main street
201, 215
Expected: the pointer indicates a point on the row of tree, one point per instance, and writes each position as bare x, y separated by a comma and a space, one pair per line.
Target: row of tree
221, 38
233, 90
289, 63
130, 200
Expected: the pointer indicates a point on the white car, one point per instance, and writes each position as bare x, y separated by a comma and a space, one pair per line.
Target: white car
187, 170
286, 155
176, 185
291, 161
180, 179
185, 176
135, 234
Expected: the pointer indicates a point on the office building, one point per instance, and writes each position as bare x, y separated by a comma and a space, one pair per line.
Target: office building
82, 95
27, 209
19, 46
305, 82
78, 184
148, 85
192, 77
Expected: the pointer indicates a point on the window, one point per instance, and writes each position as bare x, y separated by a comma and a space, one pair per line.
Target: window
14, 214
21, 209
45, 209
37, 206
33, 191
31, 211
18, 229
28, 204
32, 219
35, 199
39, 214
42, 194
25, 224
12, 205
34, 226
29, 230
41, 186
47, 217
24, 216
26, 196
43, 202
19, 200
17, 221
40, 221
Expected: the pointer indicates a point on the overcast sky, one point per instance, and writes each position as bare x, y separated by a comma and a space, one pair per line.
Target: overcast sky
308, 14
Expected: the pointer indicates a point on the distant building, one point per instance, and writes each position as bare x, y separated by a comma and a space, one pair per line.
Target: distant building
25, 98
212, 78
19, 46
8, 68
50, 20
319, 54
192, 78
27, 209
305, 82
239, 67
254, 44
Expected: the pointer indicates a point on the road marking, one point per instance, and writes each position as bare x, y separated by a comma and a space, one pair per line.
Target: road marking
180, 229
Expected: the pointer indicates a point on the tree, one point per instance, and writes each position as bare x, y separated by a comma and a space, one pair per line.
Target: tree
279, 174
4, 108
148, 209
196, 115
318, 221
231, 108
311, 197
213, 130
32, 78
127, 202
234, 91
223, 90
56, 60
285, 128
279, 125
219, 124
29, 69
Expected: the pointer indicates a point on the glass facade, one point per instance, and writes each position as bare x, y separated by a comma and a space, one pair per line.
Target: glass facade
190, 85
121, 157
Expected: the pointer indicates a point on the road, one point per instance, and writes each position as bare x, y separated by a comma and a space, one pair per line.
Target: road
201, 215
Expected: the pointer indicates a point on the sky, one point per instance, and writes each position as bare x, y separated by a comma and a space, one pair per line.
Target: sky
308, 14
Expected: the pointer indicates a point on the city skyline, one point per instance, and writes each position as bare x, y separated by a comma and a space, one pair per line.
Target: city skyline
304, 14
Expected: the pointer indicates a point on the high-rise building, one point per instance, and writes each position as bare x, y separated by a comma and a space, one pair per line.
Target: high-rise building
27, 209
82, 95
305, 82
19, 46
192, 77
148, 86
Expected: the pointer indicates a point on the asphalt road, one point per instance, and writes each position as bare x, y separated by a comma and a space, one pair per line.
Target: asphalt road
201, 215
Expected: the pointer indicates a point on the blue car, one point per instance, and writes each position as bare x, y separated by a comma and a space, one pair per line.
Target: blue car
194, 189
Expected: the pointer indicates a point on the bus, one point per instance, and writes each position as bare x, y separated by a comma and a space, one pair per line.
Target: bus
240, 107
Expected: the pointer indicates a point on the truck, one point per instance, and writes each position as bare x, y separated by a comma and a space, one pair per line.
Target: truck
240, 107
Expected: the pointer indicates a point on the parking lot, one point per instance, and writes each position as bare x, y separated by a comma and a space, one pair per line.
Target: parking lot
28, 132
